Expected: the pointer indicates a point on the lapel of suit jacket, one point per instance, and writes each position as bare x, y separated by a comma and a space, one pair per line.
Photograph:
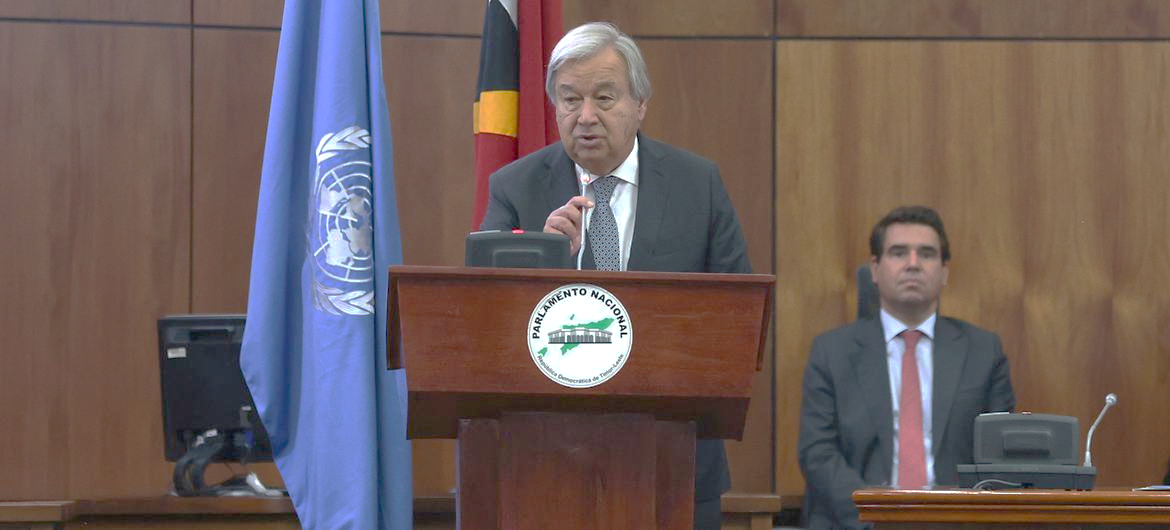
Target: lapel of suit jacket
950, 353
560, 180
653, 192
873, 378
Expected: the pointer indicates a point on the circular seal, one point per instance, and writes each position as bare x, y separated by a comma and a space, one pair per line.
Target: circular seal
580, 335
341, 224
342, 230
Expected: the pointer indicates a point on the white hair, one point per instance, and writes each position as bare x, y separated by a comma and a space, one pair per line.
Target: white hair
589, 39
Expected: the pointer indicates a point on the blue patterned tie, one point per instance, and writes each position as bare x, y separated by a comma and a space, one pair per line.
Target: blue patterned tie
603, 233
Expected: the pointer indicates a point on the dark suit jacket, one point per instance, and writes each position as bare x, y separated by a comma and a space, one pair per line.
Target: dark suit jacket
846, 415
683, 222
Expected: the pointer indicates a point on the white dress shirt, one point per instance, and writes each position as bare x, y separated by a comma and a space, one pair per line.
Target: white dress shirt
895, 346
623, 201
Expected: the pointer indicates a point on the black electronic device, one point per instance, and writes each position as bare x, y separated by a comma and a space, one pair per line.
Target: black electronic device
518, 248
1024, 450
208, 413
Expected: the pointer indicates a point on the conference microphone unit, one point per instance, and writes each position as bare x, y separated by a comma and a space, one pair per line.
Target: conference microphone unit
1110, 400
1024, 450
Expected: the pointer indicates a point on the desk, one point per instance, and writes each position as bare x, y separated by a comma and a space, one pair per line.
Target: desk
741, 511
179, 513
1013, 509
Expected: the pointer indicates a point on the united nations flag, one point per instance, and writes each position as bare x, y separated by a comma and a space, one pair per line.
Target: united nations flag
326, 233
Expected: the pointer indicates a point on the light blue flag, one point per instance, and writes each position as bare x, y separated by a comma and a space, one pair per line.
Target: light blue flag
314, 352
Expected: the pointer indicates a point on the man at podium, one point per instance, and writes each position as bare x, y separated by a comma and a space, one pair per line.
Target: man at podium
626, 201
892, 399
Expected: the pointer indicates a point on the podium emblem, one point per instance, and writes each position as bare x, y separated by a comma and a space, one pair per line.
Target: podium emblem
580, 335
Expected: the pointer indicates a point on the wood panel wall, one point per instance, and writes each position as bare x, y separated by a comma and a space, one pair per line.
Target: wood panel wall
96, 231
133, 137
1038, 129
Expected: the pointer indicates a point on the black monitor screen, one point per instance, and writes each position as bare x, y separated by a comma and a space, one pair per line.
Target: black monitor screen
203, 388
517, 248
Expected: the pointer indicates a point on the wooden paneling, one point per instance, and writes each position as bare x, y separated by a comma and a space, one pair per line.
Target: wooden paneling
430, 114
444, 17
250, 13
691, 109
677, 18
233, 86
1137, 356
434, 467
974, 18
96, 149
1045, 160
233, 71
813, 265
169, 11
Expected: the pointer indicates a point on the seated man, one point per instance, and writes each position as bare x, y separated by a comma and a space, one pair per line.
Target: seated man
891, 400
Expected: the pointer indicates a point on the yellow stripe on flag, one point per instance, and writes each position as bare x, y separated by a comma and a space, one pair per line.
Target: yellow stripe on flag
497, 112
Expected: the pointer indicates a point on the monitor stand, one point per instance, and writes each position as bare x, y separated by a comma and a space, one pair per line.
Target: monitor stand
188, 475
248, 485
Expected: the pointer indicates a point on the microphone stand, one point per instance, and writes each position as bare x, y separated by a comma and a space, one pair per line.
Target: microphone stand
1110, 400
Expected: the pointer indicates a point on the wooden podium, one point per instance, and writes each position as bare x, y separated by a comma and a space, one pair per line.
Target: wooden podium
1013, 509
535, 454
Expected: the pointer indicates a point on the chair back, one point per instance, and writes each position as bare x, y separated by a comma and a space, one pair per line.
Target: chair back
868, 302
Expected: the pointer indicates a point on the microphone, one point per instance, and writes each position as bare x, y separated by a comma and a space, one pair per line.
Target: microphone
584, 181
1110, 400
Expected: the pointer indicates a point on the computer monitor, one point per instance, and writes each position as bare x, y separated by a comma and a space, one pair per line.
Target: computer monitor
517, 248
203, 388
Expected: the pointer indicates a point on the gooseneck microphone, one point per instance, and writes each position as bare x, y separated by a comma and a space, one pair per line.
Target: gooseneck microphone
584, 181
1110, 400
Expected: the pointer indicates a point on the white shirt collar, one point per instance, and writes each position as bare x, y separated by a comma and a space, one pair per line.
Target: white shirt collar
893, 327
627, 171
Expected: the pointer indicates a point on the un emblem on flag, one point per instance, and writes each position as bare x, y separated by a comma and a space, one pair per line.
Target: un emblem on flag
341, 228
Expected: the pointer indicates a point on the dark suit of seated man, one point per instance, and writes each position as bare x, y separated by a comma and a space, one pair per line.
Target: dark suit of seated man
892, 399
667, 209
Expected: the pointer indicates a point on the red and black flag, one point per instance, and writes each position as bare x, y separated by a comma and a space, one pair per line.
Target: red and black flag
512, 115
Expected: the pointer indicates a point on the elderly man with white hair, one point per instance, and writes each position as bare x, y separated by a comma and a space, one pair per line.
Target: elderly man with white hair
642, 205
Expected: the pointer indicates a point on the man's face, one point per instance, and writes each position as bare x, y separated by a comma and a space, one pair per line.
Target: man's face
597, 117
910, 273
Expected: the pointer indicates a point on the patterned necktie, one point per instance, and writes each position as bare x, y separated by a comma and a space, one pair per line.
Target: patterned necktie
911, 443
604, 246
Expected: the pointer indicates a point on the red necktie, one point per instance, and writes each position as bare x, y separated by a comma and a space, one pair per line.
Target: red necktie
911, 443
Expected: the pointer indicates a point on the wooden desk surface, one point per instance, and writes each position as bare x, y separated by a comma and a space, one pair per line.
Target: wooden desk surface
150, 513
58, 511
744, 510
37, 511
185, 506
1103, 507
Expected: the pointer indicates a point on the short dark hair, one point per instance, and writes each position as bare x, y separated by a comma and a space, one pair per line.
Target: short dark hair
917, 215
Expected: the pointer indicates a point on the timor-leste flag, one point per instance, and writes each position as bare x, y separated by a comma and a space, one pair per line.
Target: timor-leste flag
512, 115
